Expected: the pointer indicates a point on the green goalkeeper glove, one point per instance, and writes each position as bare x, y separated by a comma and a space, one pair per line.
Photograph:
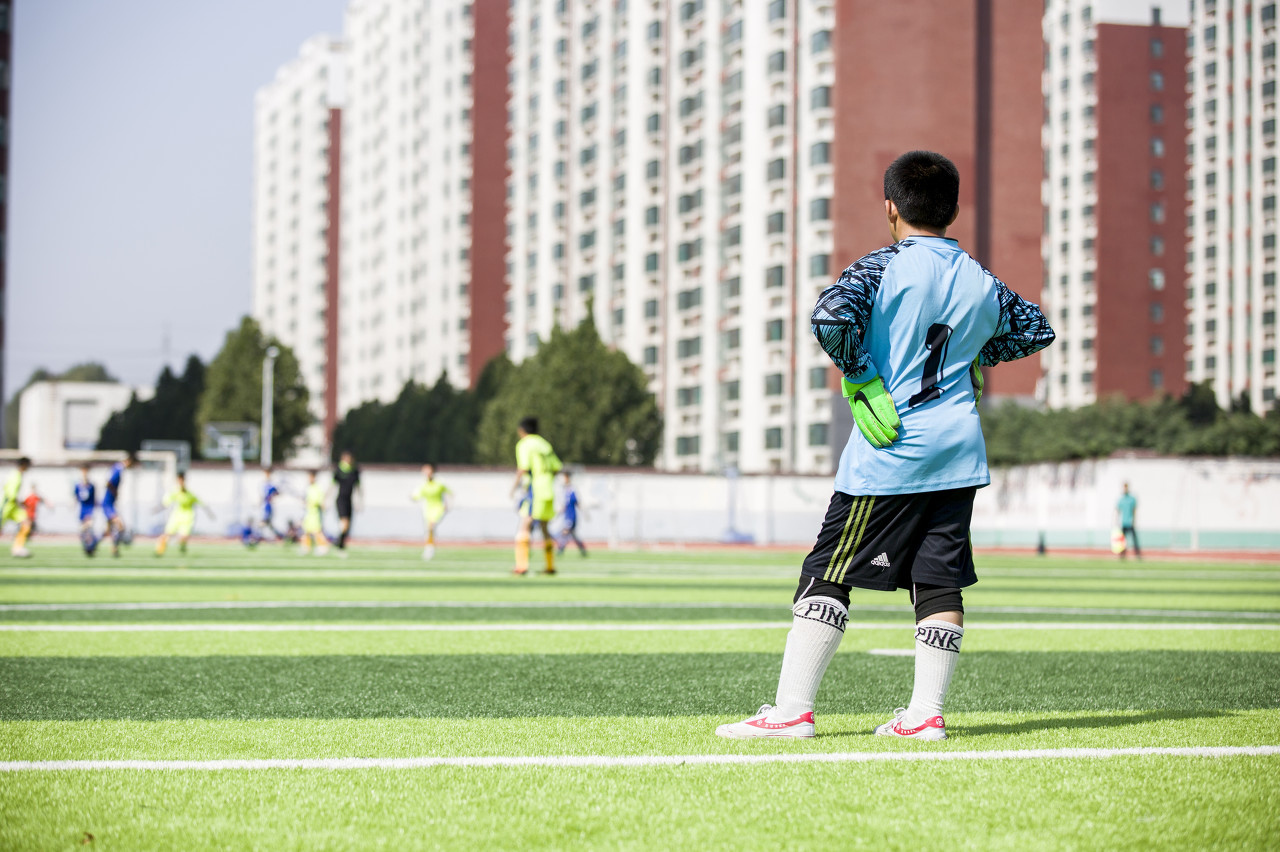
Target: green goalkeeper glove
873, 411
975, 376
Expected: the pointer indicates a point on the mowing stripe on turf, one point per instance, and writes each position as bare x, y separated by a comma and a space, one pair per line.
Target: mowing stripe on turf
591, 761
320, 604
584, 628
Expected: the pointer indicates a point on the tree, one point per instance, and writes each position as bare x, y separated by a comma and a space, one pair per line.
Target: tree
592, 403
233, 387
170, 414
90, 371
436, 424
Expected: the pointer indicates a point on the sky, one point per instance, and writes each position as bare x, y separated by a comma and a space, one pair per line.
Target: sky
130, 192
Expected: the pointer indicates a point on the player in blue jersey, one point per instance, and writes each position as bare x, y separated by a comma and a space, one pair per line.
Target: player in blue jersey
111, 494
269, 493
909, 326
569, 514
87, 500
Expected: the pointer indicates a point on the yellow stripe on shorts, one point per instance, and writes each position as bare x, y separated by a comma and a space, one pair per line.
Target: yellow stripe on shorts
849, 522
869, 503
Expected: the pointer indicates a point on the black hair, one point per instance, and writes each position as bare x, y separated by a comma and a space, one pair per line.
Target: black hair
131, 456
925, 187
24, 462
529, 425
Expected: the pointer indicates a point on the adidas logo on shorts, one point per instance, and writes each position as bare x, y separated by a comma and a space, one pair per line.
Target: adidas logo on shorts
882, 561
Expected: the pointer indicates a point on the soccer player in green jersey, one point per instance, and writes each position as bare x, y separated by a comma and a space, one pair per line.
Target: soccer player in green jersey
12, 509
536, 469
312, 523
435, 505
1126, 514
182, 518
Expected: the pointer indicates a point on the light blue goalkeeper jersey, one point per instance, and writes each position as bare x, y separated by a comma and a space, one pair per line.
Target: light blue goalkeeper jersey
917, 313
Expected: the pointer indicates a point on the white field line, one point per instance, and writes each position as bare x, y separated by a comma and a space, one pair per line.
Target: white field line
320, 604
609, 627
667, 571
592, 761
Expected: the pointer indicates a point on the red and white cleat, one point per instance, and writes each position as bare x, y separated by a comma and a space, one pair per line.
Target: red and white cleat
760, 725
930, 729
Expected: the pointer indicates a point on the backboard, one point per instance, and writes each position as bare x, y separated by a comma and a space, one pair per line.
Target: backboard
221, 438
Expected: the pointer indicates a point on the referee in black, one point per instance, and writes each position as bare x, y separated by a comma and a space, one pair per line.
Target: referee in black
347, 477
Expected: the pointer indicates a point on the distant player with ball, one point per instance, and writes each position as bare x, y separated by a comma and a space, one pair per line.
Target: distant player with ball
909, 326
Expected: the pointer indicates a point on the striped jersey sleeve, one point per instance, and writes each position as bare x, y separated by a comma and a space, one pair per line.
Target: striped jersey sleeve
840, 318
1023, 329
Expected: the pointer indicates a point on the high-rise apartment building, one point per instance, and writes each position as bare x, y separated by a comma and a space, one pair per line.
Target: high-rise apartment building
1231, 248
1114, 199
671, 172
297, 138
405, 269
961, 78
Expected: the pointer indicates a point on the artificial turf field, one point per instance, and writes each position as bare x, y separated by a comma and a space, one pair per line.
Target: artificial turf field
380, 702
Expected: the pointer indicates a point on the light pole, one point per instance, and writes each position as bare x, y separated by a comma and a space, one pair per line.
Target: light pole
268, 409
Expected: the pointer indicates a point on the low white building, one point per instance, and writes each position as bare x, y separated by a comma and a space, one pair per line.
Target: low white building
59, 421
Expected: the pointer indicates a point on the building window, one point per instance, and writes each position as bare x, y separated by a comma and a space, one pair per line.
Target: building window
820, 209
686, 299
1157, 312
1157, 379
1157, 48
820, 42
1157, 212
732, 288
819, 265
730, 442
820, 97
1157, 246
687, 445
651, 309
817, 434
776, 170
820, 154
773, 330
730, 390
773, 438
777, 9
774, 276
1157, 147
732, 338
1155, 278
586, 284
1157, 81
1157, 345
651, 216
1157, 179
1157, 114
651, 262
773, 384
688, 396
776, 223
817, 378
650, 355
777, 115
777, 62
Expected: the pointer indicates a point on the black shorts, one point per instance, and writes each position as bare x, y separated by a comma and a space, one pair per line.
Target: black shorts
344, 508
892, 541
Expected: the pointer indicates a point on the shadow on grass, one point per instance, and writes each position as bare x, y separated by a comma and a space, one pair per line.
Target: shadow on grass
585, 685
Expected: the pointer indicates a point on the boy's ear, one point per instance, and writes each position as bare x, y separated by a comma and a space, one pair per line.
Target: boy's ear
954, 216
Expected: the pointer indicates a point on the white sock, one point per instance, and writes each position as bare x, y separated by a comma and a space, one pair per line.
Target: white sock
816, 629
937, 650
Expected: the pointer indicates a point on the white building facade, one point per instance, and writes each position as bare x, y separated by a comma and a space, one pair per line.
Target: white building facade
406, 204
1231, 293
670, 171
292, 209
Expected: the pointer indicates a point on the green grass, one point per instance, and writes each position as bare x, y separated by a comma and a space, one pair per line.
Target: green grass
506, 678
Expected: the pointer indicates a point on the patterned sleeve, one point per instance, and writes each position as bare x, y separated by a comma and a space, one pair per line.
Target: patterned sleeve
843, 310
1023, 329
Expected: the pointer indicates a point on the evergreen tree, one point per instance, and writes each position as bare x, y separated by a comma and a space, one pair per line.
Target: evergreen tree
592, 403
233, 387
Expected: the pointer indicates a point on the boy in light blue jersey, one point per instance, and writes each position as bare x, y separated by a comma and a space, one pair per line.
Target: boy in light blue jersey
909, 326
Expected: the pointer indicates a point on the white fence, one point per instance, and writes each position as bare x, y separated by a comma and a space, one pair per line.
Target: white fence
1205, 504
